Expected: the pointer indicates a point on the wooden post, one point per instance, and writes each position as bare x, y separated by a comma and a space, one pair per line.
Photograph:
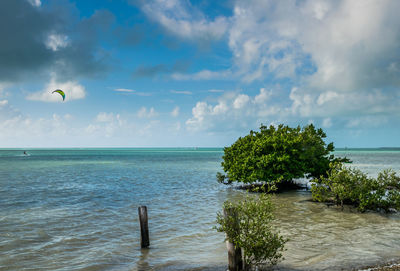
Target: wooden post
235, 262
144, 227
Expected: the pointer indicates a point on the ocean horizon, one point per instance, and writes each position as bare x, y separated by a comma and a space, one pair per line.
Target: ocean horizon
76, 209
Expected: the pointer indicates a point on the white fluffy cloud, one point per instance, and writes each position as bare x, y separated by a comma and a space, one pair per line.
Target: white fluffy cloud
234, 111
366, 121
241, 101
72, 89
132, 91
124, 90
308, 103
66, 130
19, 130
327, 122
107, 125
106, 117
56, 41
342, 55
3, 86
344, 45
350, 44
242, 112
263, 96
183, 20
147, 113
35, 3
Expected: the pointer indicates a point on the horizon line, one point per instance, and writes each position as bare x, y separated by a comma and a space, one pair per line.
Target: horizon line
176, 147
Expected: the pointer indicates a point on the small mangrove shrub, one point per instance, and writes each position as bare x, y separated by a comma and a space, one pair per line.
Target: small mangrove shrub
345, 185
250, 228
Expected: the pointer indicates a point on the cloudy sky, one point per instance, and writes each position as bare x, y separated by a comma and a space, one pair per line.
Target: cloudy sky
168, 73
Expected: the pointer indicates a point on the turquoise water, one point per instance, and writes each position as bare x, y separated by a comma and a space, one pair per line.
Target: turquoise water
76, 209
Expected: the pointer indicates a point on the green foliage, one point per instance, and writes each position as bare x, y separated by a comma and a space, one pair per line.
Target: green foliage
315, 154
388, 190
249, 227
273, 155
221, 178
348, 185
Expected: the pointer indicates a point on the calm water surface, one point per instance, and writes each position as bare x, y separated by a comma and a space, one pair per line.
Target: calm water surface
76, 209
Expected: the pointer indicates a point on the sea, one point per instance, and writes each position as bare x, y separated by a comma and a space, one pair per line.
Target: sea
77, 209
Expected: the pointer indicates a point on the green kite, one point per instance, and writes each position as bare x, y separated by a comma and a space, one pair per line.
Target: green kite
60, 92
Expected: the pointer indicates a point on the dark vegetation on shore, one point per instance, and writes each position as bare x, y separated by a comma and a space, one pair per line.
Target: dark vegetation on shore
248, 226
344, 185
268, 161
277, 155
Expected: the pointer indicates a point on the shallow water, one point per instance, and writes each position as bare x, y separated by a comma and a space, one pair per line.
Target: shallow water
77, 210
326, 238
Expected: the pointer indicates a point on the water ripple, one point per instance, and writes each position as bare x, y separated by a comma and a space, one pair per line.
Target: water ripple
78, 211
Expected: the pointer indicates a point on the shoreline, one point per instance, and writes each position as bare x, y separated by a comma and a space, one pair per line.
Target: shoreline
390, 266
393, 265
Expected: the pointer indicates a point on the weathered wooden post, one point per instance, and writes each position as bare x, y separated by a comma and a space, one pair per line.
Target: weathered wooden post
235, 262
144, 227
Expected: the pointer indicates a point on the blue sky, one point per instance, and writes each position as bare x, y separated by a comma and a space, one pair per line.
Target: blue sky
178, 73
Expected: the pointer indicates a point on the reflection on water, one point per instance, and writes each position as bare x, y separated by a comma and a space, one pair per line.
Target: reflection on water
142, 263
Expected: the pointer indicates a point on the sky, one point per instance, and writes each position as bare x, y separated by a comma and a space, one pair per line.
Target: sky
185, 73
